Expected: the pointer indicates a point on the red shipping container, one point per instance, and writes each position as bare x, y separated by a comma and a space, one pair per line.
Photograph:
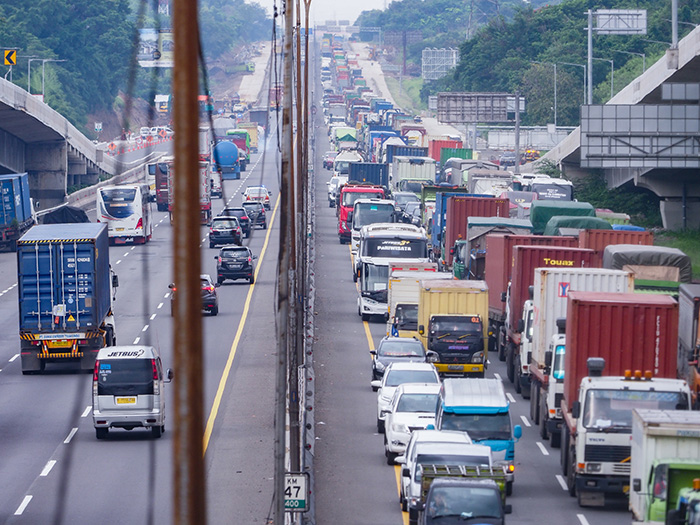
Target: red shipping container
435, 147
459, 209
631, 331
526, 259
597, 240
499, 262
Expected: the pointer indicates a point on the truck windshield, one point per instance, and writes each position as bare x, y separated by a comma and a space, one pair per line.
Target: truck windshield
414, 186
417, 403
444, 326
125, 377
371, 213
395, 248
118, 201
479, 426
464, 502
342, 167
554, 192
374, 278
406, 316
612, 409
489, 186
349, 197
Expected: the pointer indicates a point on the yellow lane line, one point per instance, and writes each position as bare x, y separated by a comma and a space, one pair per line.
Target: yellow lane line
234, 347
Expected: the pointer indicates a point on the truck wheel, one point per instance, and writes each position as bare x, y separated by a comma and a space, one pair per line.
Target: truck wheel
535, 403
518, 374
501, 337
412, 516
380, 426
571, 472
509, 488
354, 277
156, 431
365, 317
510, 369
215, 310
544, 417
555, 440
101, 432
564, 448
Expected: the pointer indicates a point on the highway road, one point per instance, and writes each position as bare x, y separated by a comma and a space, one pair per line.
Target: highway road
53, 468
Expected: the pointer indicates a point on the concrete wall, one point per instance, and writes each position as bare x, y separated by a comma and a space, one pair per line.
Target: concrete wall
12, 153
47, 165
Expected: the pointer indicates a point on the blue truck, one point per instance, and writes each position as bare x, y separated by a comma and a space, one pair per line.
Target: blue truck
65, 290
16, 213
225, 160
438, 222
396, 150
369, 172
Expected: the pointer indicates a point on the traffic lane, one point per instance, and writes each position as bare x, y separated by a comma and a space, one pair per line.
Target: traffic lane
350, 466
8, 274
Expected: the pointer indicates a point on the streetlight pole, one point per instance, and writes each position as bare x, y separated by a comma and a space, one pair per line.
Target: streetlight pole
43, 63
612, 73
644, 57
555, 86
584, 76
29, 74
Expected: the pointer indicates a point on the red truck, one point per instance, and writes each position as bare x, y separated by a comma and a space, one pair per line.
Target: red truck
597, 240
349, 193
498, 264
525, 260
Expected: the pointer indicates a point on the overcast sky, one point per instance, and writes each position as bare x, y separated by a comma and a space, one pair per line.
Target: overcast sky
322, 10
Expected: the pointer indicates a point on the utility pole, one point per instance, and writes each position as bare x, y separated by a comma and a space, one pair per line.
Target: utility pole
590, 57
517, 133
189, 484
283, 268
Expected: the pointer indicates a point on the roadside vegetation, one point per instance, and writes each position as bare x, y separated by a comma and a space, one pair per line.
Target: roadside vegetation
406, 93
687, 241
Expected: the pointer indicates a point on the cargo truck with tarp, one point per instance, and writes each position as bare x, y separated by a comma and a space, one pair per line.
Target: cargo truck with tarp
541, 211
565, 225
65, 291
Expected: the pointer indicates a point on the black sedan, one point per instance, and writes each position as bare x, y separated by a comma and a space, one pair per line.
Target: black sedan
241, 215
393, 349
225, 230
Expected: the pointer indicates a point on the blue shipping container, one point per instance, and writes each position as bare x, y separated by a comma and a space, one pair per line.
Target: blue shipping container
63, 278
14, 189
440, 214
395, 150
369, 172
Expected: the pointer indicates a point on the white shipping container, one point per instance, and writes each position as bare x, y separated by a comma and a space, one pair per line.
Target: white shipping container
551, 289
659, 435
422, 168
404, 286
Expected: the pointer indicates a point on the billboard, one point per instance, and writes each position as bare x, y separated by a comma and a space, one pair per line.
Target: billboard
155, 48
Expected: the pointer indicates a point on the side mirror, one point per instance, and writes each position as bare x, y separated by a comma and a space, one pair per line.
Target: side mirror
400, 460
517, 431
504, 296
171, 286
421, 330
507, 508
376, 383
576, 409
548, 358
169, 375
350, 217
373, 352
115, 281
521, 325
404, 472
637, 485
255, 256
216, 257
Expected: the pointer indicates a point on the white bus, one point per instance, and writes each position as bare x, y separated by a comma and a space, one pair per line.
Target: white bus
127, 212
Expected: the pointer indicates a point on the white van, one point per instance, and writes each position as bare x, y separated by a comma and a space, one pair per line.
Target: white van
127, 390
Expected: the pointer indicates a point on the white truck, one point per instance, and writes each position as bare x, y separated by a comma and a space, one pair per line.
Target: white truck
404, 294
534, 378
665, 460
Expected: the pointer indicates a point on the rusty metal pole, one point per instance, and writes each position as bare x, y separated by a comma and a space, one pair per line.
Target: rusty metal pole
188, 427
283, 259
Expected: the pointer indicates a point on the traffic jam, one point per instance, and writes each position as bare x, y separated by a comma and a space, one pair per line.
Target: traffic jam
465, 264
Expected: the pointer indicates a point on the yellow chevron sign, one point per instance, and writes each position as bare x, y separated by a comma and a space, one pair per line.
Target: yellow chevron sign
10, 57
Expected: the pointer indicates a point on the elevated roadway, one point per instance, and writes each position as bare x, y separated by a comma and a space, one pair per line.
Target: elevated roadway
679, 189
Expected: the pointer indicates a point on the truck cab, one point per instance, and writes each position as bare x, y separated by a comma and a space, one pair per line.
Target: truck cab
349, 193
465, 498
369, 211
480, 408
458, 341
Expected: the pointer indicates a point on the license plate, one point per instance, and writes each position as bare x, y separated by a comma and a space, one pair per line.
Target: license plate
120, 229
455, 367
126, 401
234, 266
59, 344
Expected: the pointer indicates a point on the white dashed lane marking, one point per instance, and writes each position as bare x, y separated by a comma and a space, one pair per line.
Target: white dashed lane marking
70, 435
542, 448
23, 505
562, 482
87, 411
526, 421
14, 357
48, 468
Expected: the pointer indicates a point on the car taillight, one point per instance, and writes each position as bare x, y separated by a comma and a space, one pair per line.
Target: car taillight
250, 259
209, 288
140, 223
94, 374
155, 369
211, 230
219, 258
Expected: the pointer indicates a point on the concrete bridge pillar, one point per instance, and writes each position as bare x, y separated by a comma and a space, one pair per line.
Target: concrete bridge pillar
77, 168
680, 199
47, 165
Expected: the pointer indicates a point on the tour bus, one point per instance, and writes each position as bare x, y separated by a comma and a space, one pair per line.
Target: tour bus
127, 212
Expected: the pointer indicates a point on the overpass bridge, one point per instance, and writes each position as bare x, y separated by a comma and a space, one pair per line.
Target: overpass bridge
36, 139
679, 188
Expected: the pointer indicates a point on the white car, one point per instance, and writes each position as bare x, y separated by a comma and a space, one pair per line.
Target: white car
430, 447
412, 408
397, 374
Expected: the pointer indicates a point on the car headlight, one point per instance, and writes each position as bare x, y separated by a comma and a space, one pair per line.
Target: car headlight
399, 428
478, 357
593, 467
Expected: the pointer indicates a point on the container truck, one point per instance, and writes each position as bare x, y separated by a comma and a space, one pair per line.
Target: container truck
597, 240
658, 269
525, 260
454, 153
411, 173
498, 264
539, 363
401, 150
435, 147
439, 221
633, 338
452, 322
369, 172
252, 128
241, 138
159, 170
404, 295
259, 116
457, 213
65, 290
689, 338
488, 182
665, 460
16, 213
